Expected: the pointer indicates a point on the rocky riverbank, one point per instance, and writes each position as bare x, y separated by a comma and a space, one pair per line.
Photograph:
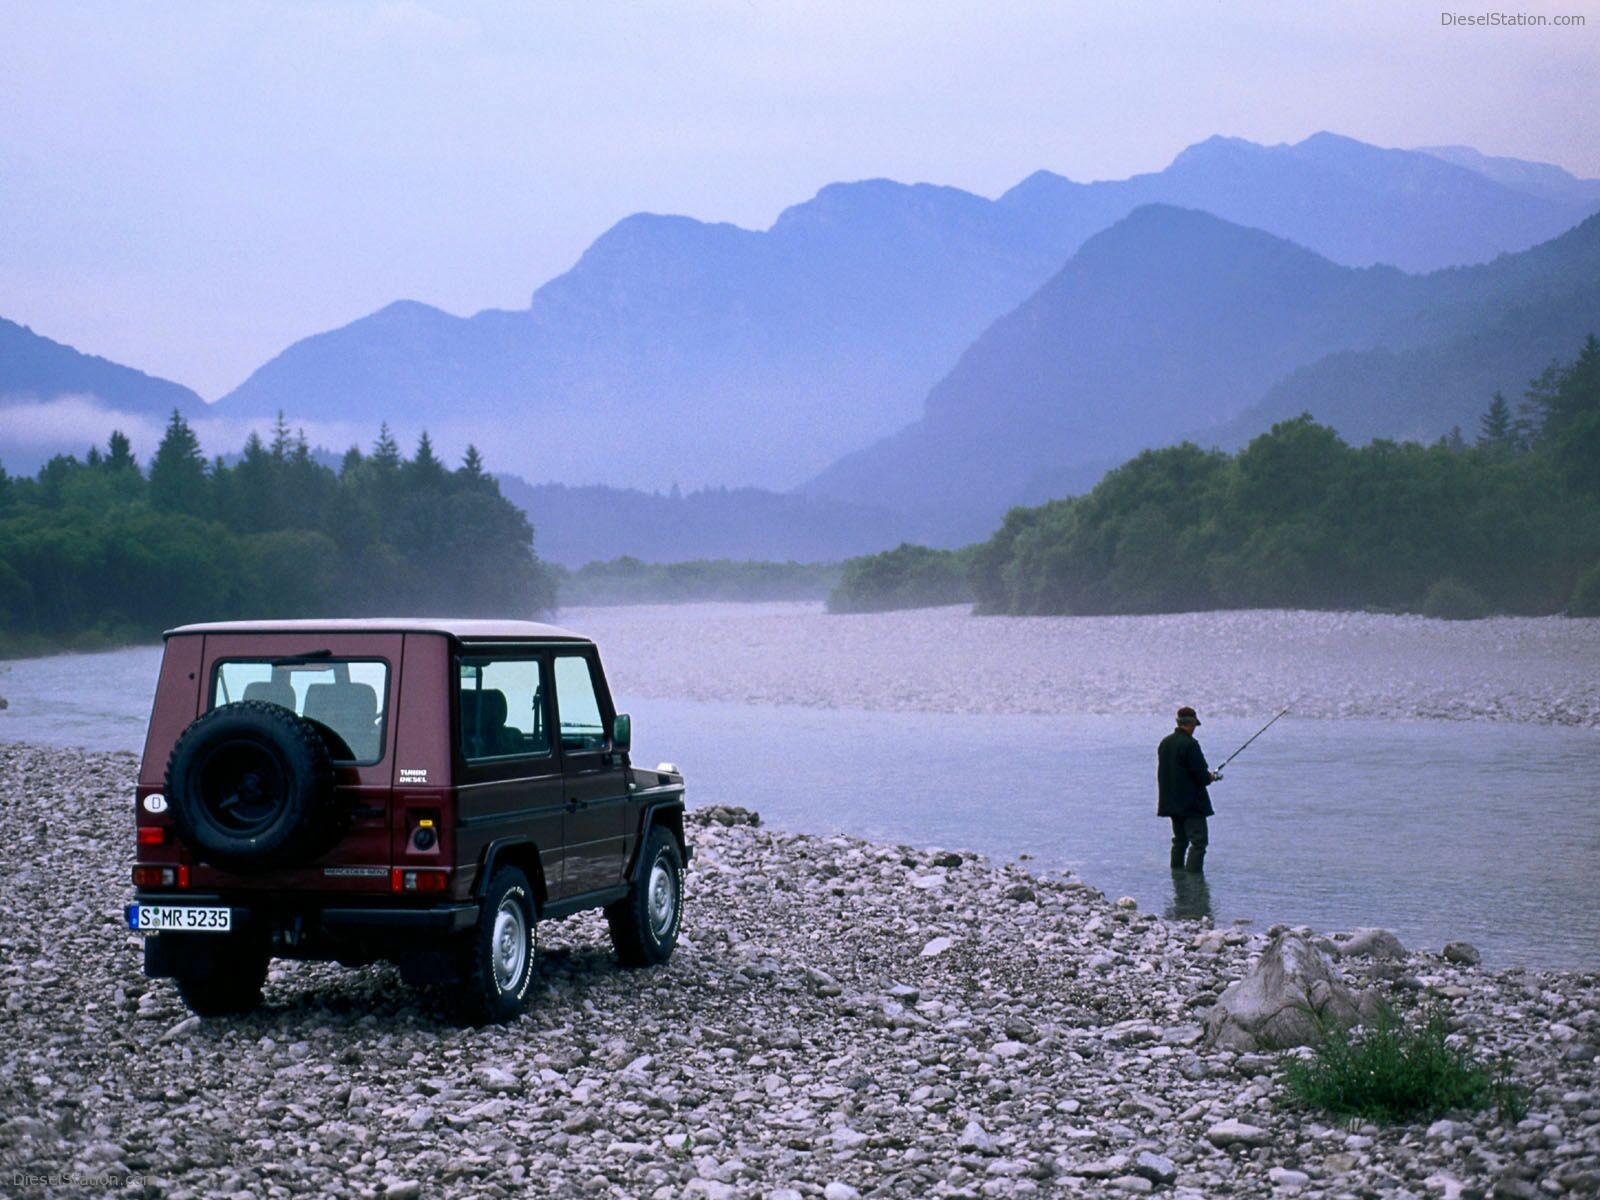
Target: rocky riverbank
841, 1019
1318, 664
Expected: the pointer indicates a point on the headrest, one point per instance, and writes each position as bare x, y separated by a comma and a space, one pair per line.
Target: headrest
271, 691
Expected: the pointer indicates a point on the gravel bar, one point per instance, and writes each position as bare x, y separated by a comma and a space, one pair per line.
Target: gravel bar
1543, 670
841, 1019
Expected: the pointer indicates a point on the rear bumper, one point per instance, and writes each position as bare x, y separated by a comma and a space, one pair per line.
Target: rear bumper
294, 921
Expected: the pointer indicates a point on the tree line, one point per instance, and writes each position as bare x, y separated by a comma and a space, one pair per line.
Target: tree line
1508, 521
99, 549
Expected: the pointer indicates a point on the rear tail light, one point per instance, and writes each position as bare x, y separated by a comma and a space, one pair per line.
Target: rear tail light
418, 881
152, 835
161, 876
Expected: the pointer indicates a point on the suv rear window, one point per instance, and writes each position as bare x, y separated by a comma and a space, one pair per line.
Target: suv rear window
345, 696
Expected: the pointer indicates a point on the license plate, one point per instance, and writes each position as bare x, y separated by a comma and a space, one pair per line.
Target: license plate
154, 918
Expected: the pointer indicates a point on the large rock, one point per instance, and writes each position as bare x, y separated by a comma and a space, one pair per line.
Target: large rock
1285, 1001
1369, 943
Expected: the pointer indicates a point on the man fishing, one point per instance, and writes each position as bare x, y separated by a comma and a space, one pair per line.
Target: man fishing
1182, 777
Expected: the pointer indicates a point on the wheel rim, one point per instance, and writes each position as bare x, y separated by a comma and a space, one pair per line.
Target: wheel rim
241, 787
510, 946
662, 897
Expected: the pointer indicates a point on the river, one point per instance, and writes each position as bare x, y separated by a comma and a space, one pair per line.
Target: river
1482, 830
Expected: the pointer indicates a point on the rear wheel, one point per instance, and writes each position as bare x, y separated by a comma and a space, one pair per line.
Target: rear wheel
220, 976
499, 954
644, 925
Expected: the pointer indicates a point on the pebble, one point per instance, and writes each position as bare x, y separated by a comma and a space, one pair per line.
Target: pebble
804, 1044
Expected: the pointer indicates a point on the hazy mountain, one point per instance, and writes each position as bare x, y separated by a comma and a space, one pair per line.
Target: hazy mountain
33, 368
1534, 178
704, 353
577, 525
1174, 323
1350, 202
677, 350
1507, 322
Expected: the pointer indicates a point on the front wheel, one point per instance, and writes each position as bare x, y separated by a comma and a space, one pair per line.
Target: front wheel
499, 953
644, 925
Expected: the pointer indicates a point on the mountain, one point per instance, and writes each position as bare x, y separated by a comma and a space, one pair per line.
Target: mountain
705, 353
1175, 323
33, 368
1509, 320
578, 525
677, 350
1350, 202
1533, 178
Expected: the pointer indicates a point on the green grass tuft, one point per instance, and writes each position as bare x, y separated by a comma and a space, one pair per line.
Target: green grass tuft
1396, 1071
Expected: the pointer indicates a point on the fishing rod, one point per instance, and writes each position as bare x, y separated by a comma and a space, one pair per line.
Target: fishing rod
1253, 737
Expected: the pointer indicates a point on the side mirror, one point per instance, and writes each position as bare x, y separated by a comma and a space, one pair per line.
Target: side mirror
621, 732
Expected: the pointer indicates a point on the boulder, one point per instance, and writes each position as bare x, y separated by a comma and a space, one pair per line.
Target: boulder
1464, 953
1370, 943
1286, 1000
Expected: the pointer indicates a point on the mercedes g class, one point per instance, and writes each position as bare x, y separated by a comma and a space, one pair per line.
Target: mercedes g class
425, 792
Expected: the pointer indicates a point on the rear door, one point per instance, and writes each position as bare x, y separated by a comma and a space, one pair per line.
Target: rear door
511, 784
594, 776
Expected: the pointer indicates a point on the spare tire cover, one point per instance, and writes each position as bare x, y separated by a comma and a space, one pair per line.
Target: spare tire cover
251, 788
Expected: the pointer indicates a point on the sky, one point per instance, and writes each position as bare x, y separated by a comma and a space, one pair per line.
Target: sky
189, 187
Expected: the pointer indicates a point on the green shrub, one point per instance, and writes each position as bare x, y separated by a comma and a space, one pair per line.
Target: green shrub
1585, 600
1398, 1072
1452, 600
906, 577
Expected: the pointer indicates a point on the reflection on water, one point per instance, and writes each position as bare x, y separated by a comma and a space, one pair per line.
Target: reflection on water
1438, 830
1191, 896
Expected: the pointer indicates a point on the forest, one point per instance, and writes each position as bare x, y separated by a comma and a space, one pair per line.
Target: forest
1504, 521
98, 550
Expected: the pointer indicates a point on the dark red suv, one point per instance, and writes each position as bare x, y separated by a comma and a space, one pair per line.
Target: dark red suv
424, 792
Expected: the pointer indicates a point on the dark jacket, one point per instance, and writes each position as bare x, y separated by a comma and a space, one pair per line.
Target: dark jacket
1181, 777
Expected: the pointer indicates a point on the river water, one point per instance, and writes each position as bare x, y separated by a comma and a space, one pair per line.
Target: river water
1487, 831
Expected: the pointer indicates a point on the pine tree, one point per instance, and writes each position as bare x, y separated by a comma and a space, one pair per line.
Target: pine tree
425, 466
351, 461
119, 453
472, 463
178, 470
1496, 427
386, 451
280, 437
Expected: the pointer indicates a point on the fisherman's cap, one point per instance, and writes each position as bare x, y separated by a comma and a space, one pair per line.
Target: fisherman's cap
1186, 716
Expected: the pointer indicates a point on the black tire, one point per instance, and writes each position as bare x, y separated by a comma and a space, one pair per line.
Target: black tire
251, 788
644, 925
220, 976
499, 956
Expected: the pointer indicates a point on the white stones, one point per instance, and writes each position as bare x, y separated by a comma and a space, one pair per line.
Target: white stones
1443, 1131
1236, 1133
497, 1079
184, 1027
807, 1043
1285, 1179
1370, 943
1105, 1168
975, 1138
839, 1190
1156, 1168
936, 947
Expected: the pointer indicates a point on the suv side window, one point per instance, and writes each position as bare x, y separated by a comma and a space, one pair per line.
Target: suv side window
502, 708
582, 727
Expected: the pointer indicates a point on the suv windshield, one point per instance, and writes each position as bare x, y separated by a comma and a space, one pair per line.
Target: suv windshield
346, 697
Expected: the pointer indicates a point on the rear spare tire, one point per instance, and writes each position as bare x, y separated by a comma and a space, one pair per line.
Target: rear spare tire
251, 788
